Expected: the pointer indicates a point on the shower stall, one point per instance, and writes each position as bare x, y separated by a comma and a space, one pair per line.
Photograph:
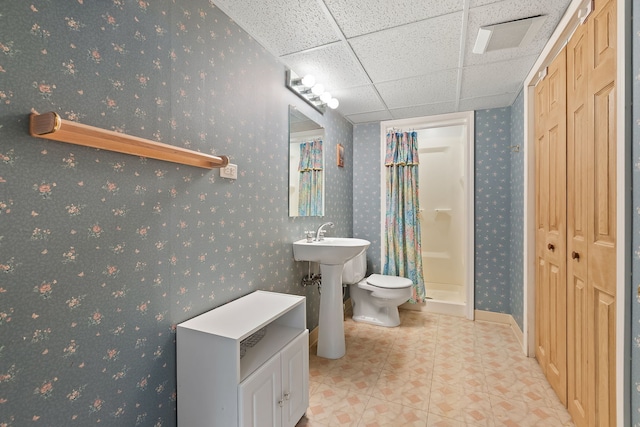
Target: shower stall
445, 146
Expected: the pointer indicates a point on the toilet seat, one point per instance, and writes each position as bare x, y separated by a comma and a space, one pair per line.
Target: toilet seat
388, 282
387, 287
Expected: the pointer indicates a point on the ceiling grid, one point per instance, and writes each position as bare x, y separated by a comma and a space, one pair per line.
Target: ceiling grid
403, 58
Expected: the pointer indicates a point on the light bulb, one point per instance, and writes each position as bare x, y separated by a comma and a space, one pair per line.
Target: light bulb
318, 89
308, 80
325, 97
333, 103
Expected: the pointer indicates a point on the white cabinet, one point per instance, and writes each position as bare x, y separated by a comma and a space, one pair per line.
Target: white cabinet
282, 380
245, 363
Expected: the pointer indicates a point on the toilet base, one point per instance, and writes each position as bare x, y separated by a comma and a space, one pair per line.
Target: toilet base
375, 311
389, 323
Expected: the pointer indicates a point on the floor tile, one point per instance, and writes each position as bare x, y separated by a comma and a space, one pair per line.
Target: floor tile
435, 371
382, 413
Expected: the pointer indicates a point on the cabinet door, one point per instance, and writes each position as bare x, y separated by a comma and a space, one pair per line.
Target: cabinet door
295, 379
259, 396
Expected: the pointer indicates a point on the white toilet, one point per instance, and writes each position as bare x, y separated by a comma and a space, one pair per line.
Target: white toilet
375, 299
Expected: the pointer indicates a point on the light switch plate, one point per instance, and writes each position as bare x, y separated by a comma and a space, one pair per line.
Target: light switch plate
230, 171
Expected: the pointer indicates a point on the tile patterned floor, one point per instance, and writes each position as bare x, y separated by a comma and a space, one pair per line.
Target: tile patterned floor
432, 370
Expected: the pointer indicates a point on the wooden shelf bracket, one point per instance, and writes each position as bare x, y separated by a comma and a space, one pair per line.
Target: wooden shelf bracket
51, 126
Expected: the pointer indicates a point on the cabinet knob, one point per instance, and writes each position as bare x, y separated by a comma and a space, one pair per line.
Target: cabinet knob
575, 255
287, 396
280, 403
551, 247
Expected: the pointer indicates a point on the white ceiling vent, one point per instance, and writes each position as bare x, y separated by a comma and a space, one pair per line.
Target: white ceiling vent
508, 34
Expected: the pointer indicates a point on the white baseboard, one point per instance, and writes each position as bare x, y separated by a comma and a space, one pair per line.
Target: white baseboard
505, 319
313, 337
490, 316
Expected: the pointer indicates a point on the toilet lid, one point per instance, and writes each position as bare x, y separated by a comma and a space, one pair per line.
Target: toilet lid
388, 282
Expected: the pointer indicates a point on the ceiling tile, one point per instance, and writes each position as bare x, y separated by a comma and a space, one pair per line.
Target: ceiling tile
495, 79
374, 116
282, 26
424, 110
428, 89
375, 55
358, 100
332, 65
477, 3
510, 10
485, 102
376, 15
411, 50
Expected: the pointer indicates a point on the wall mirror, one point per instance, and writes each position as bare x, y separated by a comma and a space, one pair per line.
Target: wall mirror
306, 165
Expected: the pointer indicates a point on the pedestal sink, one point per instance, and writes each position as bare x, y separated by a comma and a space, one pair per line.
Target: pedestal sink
331, 253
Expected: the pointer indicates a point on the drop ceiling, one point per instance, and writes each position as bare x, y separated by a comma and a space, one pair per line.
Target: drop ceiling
396, 59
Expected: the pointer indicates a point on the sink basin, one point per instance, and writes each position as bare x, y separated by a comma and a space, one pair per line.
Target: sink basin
330, 251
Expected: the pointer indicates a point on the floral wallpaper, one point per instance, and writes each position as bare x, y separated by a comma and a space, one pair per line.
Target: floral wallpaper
493, 204
102, 253
635, 276
516, 235
366, 196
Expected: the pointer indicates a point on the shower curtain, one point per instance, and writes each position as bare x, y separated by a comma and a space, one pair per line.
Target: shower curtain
403, 253
310, 184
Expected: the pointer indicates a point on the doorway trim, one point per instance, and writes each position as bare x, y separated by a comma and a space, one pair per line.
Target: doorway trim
559, 39
466, 118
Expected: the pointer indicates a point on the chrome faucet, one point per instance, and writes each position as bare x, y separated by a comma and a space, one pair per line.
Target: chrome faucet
320, 232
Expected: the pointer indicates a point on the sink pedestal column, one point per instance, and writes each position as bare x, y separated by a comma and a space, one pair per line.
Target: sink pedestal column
331, 322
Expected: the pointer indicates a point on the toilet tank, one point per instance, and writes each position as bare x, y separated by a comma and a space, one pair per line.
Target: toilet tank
355, 269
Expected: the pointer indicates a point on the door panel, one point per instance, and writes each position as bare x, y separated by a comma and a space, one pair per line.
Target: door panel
542, 321
604, 392
578, 114
591, 222
551, 195
602, 225
578, 378
556, 369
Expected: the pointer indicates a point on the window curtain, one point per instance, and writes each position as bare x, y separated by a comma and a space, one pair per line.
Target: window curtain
403, 253
310, 185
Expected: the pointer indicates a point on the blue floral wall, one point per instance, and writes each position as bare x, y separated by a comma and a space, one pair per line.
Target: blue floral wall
516, 234
493, 204
635, 282
101, 253
366, 195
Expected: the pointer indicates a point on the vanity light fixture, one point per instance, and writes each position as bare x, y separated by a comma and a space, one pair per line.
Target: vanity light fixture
312, 92
317, 89
308, 81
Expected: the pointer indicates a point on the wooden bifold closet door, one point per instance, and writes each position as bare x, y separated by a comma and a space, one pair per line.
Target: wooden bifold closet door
589, 245
551, 232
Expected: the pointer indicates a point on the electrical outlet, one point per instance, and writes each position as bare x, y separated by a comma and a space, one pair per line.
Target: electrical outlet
230, 171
